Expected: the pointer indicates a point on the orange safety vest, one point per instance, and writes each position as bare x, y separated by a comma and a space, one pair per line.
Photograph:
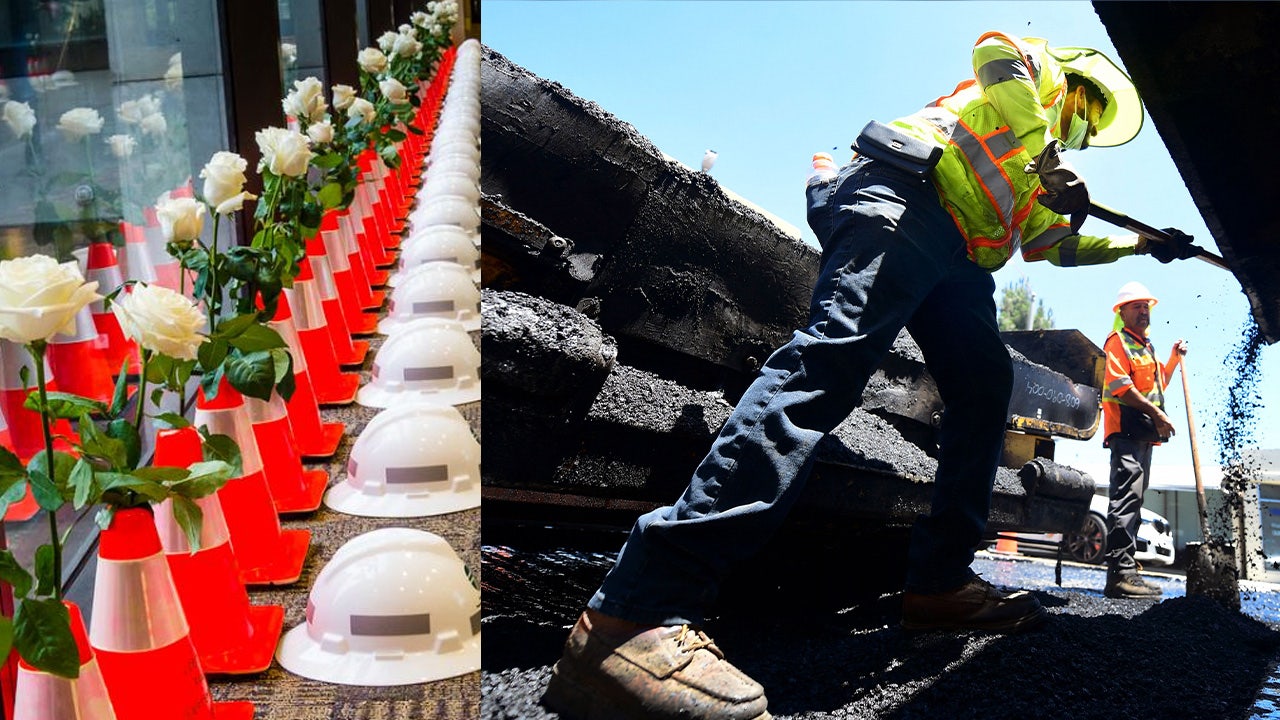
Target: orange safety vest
1131, 366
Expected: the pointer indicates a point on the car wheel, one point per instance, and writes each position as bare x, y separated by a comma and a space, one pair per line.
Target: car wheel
1089, 543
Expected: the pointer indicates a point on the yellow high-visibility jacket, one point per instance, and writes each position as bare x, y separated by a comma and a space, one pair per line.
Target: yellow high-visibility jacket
989, 129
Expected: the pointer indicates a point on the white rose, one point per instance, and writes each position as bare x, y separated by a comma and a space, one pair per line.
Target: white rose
173, 76
130, 112
393, 90
20, 117
361, 110
372, 60
233, 203
420, 19
288, 53
387, 40
148, 105
39, 297
284, 152
406, 46
306, 102
175, 59
223, 177
154, 124
342, 96
321, 133
160, 320
180, 218
121, 145
79, 123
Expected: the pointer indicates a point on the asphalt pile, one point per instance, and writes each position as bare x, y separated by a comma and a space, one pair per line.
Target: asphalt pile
1185, 657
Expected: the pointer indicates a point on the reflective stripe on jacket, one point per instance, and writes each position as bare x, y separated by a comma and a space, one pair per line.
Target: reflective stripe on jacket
1131, 366
989, 129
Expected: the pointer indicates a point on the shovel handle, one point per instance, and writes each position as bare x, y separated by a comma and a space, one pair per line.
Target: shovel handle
1195, 451
1119, 219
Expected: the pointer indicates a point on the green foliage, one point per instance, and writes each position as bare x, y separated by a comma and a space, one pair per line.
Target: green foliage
1015, 308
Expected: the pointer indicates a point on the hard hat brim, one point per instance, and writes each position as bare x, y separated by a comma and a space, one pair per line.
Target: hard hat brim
391, 323
375, 396
301, 655
350, 500
1123, 117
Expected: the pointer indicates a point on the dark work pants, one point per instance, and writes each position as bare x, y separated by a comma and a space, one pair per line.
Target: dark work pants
891, 257
1130, 473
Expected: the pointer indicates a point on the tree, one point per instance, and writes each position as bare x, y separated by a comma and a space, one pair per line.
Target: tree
1016, 301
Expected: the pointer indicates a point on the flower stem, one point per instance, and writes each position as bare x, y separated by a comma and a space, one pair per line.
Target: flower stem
36, 348
214, 290
142, 389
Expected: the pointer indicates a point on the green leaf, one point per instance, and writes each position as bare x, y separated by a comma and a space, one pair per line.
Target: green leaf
252, 374
11, 469
46, 571
6, 637
124, 431
205, 478
104, 516
173, 420
65, 405
121, 394
286, 383
189, 518
209, 382
150, 491
51, 489
211, 353
330, 195
44, 491
82, 483
158, 368
233, 327
13, 573
156, 396
13, 494
258, 337
42, 636
222, 447
161, 474
97, 444
328, 160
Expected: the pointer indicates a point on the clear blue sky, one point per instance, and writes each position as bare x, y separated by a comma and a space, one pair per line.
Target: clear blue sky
767, 84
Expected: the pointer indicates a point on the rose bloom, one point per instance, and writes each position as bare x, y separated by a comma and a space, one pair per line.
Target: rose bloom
160, 320
306, 102
20, 118
39, 297
224, 182
121, 145
181, 219
372, 60
420, 19
387, 40
342, 96
406, 46
394, 90
362, 110
288, 53
79, 123
284, 152
154, 124
321, 133
173, 76
130, 111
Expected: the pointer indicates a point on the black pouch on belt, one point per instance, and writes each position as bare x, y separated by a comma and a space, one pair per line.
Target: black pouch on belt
1138, 426
887, 144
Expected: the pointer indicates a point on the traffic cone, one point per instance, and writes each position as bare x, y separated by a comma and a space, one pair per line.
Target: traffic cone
104, 267
293, 489
25, 430
1006, 544
335, 248
368, 298
377, 253
231, 636
311, 288
167, 269
26, 508
139, 633
331, 386
136, 263
363, 256
315, 340
45, 696
267, 555
79, 361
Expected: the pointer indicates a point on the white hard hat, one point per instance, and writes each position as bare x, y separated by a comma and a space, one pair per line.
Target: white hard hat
457, 184
434, 289
413, 460
394, 606
453, 164
447, 210
437, 243
1133, 291
430, 359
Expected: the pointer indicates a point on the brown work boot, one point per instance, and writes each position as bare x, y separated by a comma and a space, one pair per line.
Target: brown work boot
1130, 586
976, 605
648, 673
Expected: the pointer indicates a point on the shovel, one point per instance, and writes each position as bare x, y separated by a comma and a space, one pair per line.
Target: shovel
1119, 219
1211, 570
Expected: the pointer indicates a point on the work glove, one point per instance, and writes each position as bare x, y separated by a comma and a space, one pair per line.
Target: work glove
1178, 247
1064, 190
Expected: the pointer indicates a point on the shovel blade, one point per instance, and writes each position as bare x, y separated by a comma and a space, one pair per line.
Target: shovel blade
1211, 572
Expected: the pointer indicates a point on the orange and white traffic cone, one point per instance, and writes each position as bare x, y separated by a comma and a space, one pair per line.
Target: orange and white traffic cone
80, 361
166, 267
267, 554
136, 262
25, 429
26, 508
335, 248
318, 300
1006, 544
139, 630
231, 636
105, 268
331, 385
44, 696
293, 489
369, 298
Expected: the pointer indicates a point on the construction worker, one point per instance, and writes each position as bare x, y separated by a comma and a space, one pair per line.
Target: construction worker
911, 229
1133, 423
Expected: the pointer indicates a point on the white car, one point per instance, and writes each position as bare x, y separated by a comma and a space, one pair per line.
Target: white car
1089, 544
